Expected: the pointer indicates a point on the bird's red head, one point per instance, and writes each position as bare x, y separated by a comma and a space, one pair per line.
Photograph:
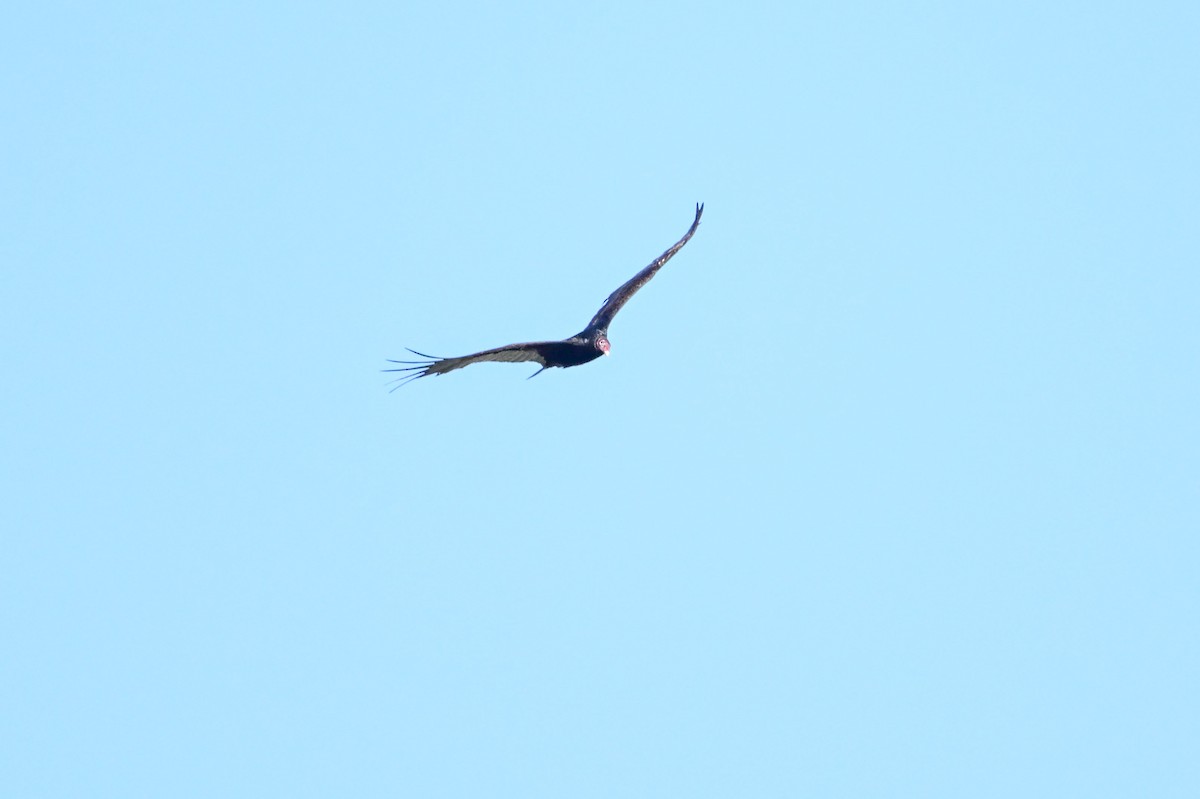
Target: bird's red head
602, 344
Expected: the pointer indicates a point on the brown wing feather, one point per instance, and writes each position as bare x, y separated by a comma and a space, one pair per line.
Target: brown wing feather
618, 298
513, 353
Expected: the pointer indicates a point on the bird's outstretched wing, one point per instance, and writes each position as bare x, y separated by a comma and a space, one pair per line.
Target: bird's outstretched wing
618, 298
412, 370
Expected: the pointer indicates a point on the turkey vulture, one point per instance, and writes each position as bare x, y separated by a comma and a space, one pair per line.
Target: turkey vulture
587, 345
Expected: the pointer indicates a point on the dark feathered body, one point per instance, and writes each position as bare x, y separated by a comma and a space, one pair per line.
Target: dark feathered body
584, 347
574, 351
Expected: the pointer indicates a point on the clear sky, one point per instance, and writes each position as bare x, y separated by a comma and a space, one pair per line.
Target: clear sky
891, 486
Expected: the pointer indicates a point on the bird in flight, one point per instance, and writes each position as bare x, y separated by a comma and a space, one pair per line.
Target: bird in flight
585, 346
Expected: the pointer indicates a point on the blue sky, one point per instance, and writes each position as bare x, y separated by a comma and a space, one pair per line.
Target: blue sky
891, 486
